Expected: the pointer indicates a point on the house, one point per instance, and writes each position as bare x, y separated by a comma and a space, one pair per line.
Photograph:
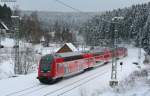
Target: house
68, 47
44, 42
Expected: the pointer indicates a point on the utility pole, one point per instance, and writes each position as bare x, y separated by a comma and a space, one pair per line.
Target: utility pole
0, 37
140, 46
115, 21
16, 20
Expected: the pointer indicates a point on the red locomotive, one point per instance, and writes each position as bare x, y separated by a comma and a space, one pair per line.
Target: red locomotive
53, 67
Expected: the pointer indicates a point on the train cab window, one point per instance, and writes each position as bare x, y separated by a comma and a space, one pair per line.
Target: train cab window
45, 63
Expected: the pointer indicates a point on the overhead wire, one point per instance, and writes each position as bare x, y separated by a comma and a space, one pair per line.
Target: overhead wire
66, 5
78, 10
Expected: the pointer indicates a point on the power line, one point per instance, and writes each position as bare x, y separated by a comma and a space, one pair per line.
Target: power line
78, 10
66, 5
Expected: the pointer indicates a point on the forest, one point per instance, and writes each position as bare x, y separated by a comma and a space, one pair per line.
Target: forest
96, 31
135, 25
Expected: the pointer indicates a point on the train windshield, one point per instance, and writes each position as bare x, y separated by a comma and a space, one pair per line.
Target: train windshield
45, 63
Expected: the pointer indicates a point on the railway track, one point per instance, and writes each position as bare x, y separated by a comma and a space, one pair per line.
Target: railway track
73, 85
34, 87
146, 93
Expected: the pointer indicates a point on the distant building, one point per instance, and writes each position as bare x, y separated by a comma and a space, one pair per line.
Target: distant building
42, 39
52, 34
68, 47
44, 42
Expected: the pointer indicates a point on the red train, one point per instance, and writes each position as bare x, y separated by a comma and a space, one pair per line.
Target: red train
53, 67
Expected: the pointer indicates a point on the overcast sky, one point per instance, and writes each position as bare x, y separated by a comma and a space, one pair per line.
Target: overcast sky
83, 5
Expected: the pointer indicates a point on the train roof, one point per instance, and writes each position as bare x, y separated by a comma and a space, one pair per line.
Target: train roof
78, 53
100, 50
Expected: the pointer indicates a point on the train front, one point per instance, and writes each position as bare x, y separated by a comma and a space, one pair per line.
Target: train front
45, 69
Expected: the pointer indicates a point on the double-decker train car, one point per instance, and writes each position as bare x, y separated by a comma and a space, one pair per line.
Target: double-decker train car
53, 67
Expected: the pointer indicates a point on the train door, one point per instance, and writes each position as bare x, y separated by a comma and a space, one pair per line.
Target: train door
91, 62
66, 70
60, 69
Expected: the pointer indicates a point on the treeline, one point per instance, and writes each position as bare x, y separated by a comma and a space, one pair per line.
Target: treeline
32, 30
134, 25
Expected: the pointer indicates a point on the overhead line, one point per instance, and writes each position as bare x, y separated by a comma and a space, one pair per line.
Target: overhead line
68, 6
77, 10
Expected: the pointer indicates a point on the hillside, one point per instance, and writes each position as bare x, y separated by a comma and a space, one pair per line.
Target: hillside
133, 27
74, 18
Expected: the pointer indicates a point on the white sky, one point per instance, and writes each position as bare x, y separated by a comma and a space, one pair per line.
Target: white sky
83, 5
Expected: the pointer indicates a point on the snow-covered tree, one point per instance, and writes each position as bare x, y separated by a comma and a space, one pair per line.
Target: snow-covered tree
135, 20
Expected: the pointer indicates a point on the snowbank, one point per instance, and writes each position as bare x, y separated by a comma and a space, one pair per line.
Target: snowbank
7, 42
6, 70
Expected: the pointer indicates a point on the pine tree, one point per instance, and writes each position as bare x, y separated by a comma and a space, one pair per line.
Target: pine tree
99, 27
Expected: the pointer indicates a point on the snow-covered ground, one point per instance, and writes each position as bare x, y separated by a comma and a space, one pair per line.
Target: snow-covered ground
6, 62
91, 83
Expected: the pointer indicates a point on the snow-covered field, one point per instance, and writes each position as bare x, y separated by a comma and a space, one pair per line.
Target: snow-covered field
91, 83
6, 62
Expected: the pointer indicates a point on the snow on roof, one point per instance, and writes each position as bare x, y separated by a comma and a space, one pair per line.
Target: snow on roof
14, 16
71, 46
4, 26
